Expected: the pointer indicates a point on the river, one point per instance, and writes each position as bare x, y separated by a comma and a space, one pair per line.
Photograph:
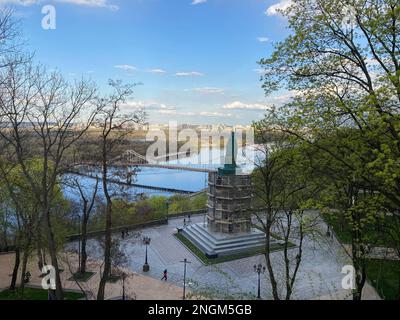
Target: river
167, 178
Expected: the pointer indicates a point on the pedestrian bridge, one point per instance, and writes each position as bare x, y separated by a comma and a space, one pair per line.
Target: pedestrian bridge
133, 158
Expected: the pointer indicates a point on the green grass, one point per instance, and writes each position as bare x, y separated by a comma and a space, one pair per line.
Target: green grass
36, 294
82, 277
207, 261
384, 276
371, 232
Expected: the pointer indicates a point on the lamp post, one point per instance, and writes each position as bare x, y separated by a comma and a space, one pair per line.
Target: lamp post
146, 241
260, 269
123, 286
185, 261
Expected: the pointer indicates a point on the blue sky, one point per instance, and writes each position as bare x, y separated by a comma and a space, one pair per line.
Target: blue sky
195, 58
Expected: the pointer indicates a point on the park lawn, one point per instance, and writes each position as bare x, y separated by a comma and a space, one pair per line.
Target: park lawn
384, 276
344, 235
36, 294
82, 277
207, 261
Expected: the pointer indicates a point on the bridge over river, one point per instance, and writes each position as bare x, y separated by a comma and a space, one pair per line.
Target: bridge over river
133, 159
136, 185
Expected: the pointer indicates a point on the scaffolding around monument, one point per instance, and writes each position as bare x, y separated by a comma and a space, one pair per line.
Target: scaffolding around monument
228, 230
229, 203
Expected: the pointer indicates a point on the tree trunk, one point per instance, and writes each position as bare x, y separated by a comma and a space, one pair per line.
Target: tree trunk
15, 270
398, 284
53, 256
23, 270
107, 256
271, 274
40, 259
83, 246
107, 246
5, 237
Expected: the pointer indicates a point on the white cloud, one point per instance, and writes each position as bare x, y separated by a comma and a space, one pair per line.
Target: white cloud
195, 114
259, 71
163, 109
194, 2
281, 5
20, 2
87, 3
175, 112
189, 74
263, 39
126, 67
283, 97
92, 3
237, 105
159, 71
208, 90
148, 105
214, 114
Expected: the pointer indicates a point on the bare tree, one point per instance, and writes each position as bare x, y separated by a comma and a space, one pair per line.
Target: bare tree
115, 128
87, 205
43, 110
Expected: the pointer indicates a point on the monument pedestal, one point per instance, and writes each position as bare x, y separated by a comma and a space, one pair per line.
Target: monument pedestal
229, 229
215, 244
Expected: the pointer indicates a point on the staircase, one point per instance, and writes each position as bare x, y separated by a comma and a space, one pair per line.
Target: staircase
214, 245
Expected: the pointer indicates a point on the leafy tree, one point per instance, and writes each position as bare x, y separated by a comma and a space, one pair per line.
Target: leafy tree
40, 111
344, 73
284, 191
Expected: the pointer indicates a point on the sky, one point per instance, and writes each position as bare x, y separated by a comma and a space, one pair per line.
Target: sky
195, 60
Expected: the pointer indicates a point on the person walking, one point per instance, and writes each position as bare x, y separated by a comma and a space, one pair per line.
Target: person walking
165, 275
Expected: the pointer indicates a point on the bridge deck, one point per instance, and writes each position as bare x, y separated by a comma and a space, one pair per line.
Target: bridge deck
172, 167
119, 182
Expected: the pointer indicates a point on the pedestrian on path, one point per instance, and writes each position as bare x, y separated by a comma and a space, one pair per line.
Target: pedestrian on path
165, 275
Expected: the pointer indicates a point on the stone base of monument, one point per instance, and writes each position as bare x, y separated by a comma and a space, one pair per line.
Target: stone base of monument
214, 245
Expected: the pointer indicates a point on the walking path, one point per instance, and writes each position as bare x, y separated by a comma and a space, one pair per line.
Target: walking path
319, 276
137, 286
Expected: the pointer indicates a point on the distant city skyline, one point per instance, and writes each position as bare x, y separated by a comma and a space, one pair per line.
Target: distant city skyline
196, 59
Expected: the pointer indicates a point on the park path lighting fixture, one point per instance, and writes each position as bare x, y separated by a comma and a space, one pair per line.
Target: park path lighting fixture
146, 241
259, 269
185, 261
123, 286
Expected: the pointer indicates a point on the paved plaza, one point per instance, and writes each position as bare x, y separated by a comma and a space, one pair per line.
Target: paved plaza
319, 276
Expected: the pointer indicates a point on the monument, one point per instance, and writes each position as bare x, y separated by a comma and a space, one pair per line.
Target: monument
228, 229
